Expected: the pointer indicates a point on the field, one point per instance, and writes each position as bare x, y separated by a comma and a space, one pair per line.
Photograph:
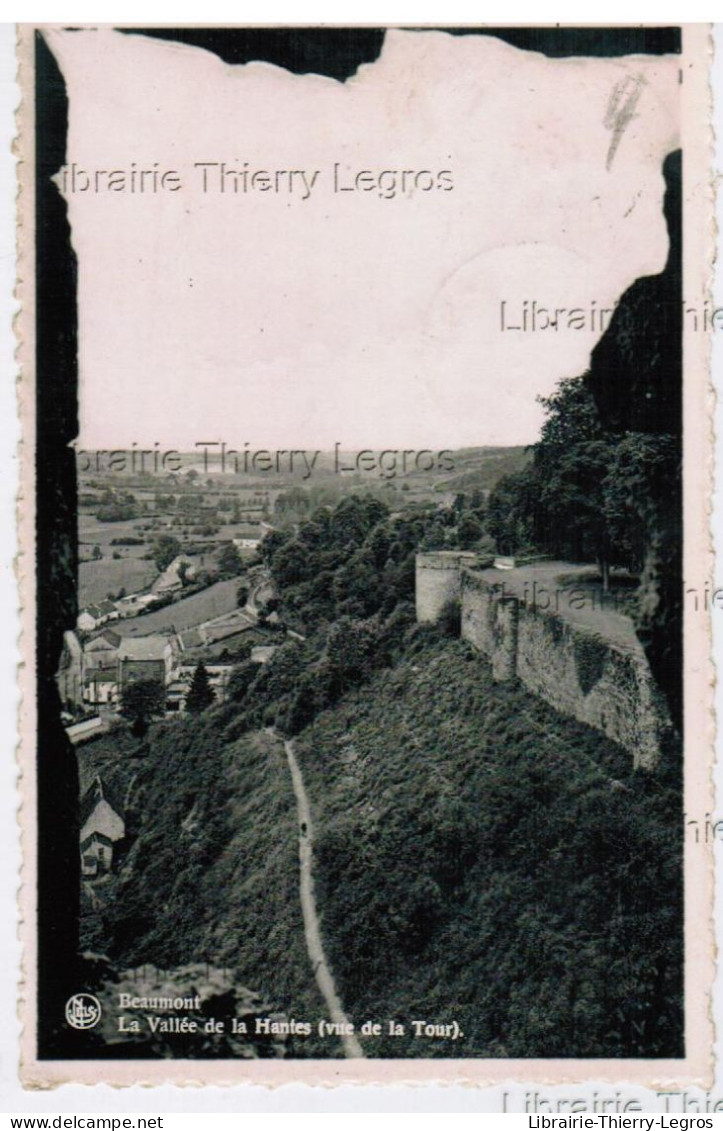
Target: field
131, 571
213, 602
93, 533
97, 579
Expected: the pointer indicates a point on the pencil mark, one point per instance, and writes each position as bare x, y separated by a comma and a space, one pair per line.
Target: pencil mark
621, 111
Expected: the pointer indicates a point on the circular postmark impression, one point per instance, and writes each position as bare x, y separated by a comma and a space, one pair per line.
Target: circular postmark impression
82, 1011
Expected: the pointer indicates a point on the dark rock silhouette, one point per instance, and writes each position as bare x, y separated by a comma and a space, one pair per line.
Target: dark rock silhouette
56, 562
636, 379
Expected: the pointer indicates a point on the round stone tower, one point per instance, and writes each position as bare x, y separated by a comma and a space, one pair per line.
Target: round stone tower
439, 580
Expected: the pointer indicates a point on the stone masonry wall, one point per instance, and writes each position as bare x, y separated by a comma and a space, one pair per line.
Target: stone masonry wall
578, 673
438, 581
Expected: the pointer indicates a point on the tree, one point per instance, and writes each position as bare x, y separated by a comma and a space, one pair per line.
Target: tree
97, 553
242, 595
356, 589
571, 459
435, 538
573, 501
291, 564
272, 543
117, 512
511, 510
469, 531
165, 550
485, 548
571, 416
230, 563
639, 481
201, 694
294, 501
163, 502
353, 519
241, 679
559, 502
351, 652
141, 701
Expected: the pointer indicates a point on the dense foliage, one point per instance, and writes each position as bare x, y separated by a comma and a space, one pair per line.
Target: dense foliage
141, 701
209, 872
346, 582
589, 494
200, 694
482, 859
478, 858
357, 559
612, 490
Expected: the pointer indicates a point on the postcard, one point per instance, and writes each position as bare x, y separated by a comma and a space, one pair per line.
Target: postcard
366, 579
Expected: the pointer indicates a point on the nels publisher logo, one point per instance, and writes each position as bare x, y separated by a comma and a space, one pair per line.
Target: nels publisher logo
82, 1011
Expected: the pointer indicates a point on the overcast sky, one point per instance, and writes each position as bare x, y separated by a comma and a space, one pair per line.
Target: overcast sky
360, 317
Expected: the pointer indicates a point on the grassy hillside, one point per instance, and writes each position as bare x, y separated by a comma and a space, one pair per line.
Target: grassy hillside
481, 468
215, 601
211, 873
479, 859
97, 579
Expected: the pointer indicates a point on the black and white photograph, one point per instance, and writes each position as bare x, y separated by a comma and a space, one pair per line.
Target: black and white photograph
364, 394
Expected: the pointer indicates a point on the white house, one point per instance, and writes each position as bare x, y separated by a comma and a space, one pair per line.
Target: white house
79, 732
134, 603
218, 678
89, 618
96, 855
100, 687
70, 673
93, 616
101, 653
108, 611
101, 827
149, 658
